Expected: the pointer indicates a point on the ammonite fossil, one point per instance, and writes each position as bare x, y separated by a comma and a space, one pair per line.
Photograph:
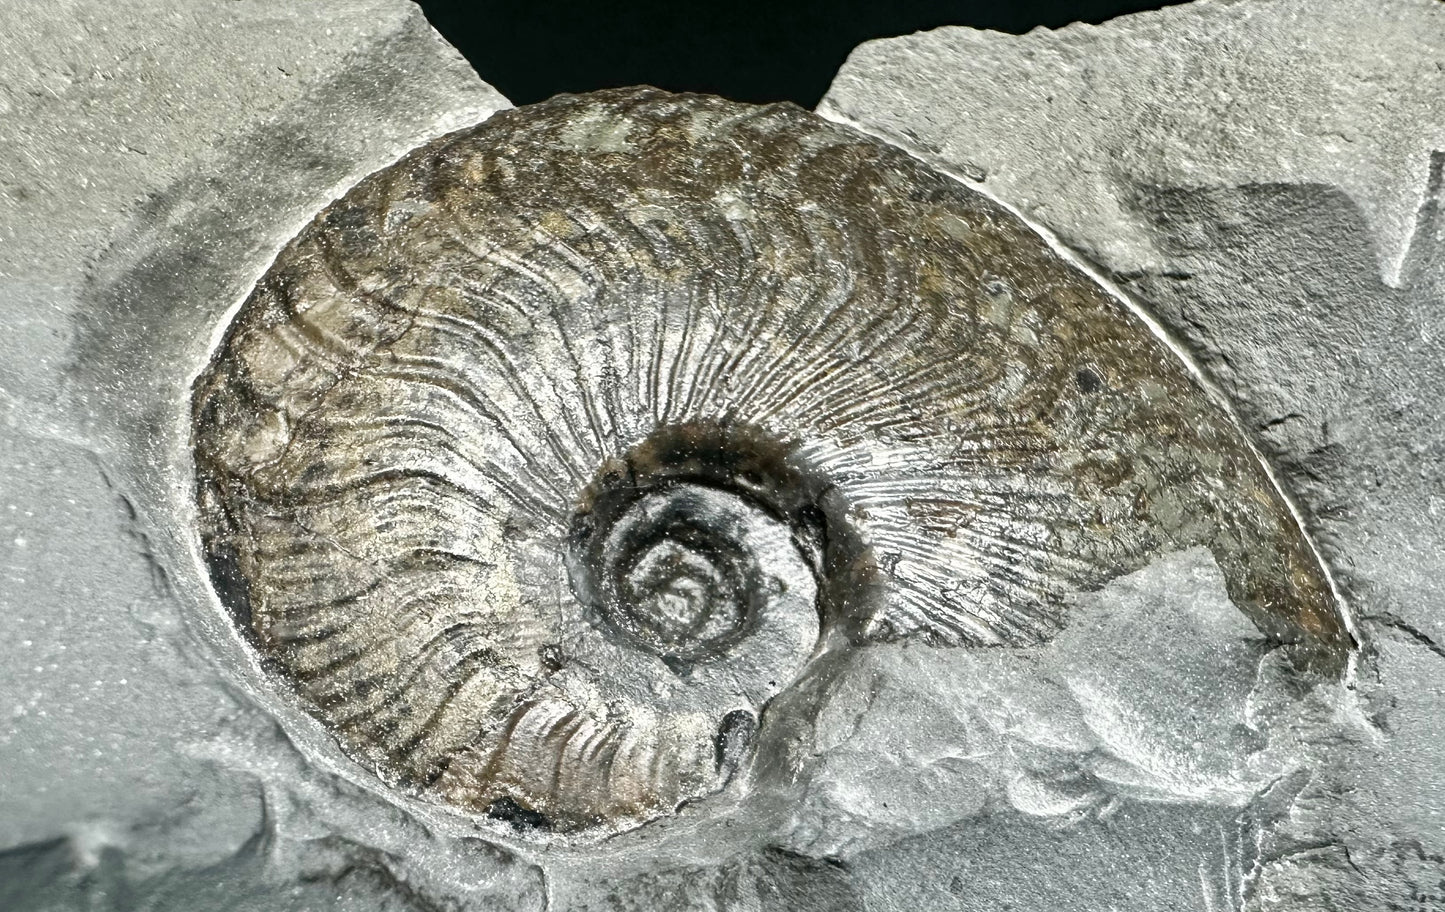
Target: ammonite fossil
547, 456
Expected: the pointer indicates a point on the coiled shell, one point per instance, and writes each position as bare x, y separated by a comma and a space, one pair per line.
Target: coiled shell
546, 457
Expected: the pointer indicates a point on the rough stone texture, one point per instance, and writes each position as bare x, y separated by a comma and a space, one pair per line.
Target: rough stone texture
1070, 125
1266, 177
1156, 755
132, 774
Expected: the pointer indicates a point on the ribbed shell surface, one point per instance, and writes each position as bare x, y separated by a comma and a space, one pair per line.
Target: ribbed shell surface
398, 434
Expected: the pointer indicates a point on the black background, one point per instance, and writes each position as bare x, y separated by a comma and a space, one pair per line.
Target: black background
747, 50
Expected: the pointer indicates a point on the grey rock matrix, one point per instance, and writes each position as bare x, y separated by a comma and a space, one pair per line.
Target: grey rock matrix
1262, 177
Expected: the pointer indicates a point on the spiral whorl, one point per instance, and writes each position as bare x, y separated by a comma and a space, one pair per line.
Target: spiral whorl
539, 463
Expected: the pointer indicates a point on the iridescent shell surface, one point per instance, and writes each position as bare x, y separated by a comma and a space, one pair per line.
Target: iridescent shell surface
539, 463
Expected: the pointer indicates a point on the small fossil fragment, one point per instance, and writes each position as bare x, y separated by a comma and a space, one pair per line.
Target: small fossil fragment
539, 463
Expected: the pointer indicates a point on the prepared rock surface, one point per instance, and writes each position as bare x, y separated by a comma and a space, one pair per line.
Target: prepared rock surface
1258, 174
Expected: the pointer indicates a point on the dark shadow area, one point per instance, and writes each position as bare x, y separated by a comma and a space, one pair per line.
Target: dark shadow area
745, 50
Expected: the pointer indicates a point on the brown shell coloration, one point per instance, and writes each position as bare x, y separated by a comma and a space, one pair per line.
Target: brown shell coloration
544, 458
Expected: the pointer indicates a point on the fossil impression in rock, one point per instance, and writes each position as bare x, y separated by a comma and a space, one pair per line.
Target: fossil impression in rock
542, 460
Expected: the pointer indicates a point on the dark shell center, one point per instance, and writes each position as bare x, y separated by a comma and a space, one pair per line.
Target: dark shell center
677, 547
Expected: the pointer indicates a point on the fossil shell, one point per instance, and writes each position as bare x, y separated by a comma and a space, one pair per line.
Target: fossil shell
546, 457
